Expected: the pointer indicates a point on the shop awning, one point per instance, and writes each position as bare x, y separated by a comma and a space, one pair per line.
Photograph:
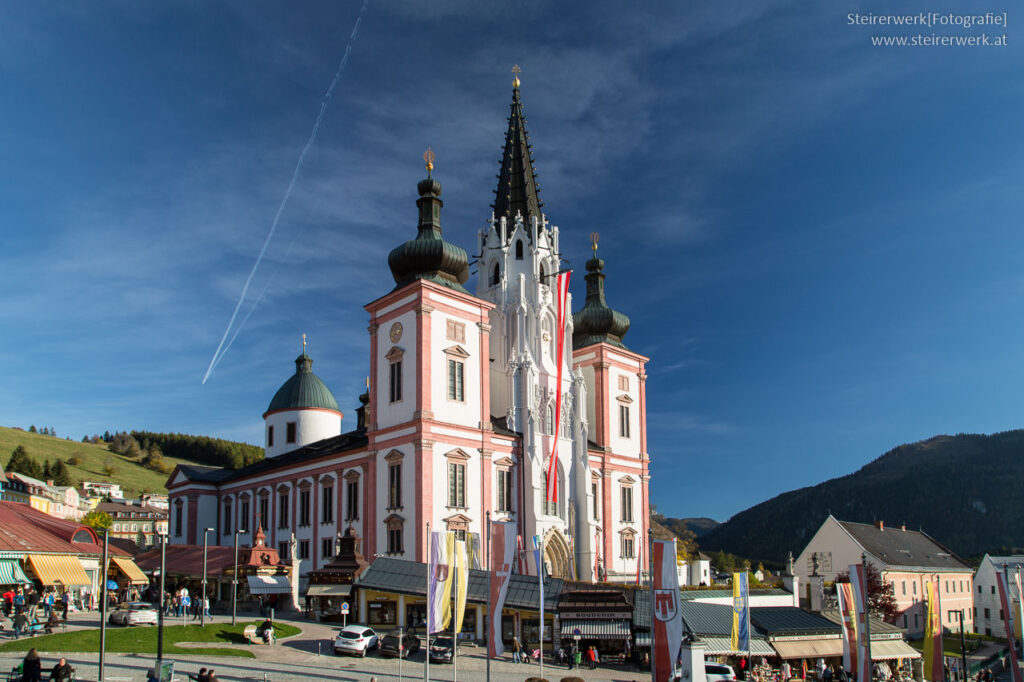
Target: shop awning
892, 648
329, 590
809, 648
596, 629
722, 646
269, 584
58, 569
131, 571
11, 573
643, 639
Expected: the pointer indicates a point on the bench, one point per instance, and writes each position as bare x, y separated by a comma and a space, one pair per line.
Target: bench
251, 635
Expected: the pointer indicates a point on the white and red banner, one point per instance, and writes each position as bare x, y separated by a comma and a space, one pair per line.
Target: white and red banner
859, 585
441, 574
503, 551
847, 611
562, 287
668, 617
1011, 641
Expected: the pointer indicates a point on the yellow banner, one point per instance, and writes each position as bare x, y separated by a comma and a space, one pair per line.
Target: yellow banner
446, 585
933, 661
461, 582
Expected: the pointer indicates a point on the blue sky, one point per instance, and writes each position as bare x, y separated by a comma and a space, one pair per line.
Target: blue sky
817, 240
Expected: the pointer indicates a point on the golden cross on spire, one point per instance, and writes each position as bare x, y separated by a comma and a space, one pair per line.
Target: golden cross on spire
516, 70
428, 158
303, 343
367, 383
594, 237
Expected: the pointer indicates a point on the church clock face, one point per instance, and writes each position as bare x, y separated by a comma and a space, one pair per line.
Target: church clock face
396, 332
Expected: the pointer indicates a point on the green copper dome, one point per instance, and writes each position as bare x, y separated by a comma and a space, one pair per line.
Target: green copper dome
429, 256
597, 323
303, 389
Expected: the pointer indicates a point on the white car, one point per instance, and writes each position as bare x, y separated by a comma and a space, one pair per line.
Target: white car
134, 613
719, 672
355, 639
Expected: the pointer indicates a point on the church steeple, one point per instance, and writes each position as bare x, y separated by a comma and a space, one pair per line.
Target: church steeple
517, 192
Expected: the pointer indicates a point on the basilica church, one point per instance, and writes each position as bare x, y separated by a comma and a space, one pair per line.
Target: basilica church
458, 420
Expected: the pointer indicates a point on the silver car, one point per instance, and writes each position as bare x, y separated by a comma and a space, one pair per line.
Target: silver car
355, 639
134, 613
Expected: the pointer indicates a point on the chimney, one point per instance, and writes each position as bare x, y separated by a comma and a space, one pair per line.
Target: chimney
880, 525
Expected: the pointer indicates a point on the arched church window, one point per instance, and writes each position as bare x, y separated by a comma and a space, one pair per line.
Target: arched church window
519, 249
495, 275
542, 275
549, 420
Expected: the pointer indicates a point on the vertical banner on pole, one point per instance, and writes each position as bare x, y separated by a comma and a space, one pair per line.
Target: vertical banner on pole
562, 295
461, 581
441, 553
740, 612
844, 593
934, 663
1004, 601
859, 587
668, 618
503, 548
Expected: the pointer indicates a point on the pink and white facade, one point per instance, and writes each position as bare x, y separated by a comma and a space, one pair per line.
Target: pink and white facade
458, 420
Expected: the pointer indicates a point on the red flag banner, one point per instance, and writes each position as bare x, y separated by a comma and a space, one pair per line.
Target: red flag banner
1011, 642
668, 616
503, 550
562, 286
844, 591
859, 583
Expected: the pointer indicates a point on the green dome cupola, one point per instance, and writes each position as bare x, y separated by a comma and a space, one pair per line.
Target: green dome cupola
429, 256
597, 322
303, 390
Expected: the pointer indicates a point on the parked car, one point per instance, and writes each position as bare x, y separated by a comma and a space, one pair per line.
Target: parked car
717, 672
441, 649
134, 613
389, 644
355, 639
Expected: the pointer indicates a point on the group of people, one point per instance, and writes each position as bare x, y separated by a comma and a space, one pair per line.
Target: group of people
32, 669
181, 603
22, 607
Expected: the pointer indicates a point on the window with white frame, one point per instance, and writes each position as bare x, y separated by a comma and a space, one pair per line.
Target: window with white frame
626, 500
352, 497
456, 484
624, 420
327, 504
628, 546
456, 380
504, 490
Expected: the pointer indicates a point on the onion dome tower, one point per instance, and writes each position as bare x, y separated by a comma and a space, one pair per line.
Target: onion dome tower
303, 410
597, 322
429, 256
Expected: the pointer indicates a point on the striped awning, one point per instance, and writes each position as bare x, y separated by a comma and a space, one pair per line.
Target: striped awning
812, 647
58, 569
11, 573
722, 646
269, 584
885, 649
596, 629
131, 571
329, 590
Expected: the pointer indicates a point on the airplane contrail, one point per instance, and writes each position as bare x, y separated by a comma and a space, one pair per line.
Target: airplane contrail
217, 354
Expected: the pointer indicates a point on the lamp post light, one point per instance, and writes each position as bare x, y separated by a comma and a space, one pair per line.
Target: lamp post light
103, 600
202, 604
234, 579
160, 606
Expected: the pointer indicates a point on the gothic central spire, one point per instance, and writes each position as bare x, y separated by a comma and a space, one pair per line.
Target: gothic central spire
517, 192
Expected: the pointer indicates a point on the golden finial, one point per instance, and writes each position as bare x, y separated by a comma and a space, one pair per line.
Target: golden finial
303, 344
428, 158
367, 383
594, 237
515, 81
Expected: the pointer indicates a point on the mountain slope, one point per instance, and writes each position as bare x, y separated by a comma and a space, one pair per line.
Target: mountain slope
966, 491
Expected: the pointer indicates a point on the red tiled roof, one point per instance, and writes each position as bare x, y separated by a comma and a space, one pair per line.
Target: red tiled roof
188, 559
24, 529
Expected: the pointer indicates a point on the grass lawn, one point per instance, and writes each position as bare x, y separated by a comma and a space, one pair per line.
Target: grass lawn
951, 643
132, 476
142, 640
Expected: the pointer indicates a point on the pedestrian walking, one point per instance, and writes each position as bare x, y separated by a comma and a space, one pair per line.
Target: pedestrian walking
20, 621
31, 667
65, 602
19, 601
33, 603
592, 657
48, 603
517, 650
206, 608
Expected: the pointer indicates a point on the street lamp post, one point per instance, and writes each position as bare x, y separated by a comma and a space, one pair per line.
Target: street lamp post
160, 606
234, 579
103, 600
202, 604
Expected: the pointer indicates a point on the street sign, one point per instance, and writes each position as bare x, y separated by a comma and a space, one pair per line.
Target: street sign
344, 607
576, 634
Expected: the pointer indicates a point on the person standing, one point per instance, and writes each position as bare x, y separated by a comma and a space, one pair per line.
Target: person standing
65, 602
592, 657
206, 608
19, 601
20, 621
33, 603
786, 671
48, 603
31, 667
517, 650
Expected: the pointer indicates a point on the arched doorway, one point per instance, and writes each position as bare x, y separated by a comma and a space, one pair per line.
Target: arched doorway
557, 554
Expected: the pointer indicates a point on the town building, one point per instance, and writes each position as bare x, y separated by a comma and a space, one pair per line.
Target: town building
989, 618
141, 525
459, 419
906, 559
102, 489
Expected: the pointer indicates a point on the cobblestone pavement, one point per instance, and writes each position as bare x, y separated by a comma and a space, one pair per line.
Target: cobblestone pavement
298, 658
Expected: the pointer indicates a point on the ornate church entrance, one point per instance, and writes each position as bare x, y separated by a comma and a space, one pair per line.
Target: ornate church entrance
557, 554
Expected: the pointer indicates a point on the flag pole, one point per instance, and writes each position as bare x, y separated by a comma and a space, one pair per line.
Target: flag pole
426, 669
490, 606
540, 580
650, 564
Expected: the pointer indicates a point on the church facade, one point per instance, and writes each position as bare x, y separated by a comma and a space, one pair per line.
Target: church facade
458, 421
